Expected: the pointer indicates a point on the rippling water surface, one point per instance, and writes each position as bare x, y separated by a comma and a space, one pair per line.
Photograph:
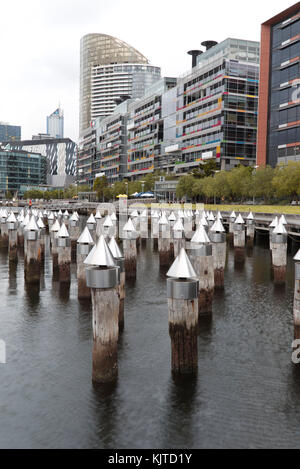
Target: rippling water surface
247, 393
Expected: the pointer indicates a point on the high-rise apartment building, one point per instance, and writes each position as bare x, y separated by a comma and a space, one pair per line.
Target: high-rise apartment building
279, 95
110, 69
9, 133
55, 124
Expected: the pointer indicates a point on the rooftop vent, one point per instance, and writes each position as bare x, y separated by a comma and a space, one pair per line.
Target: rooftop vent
209, 44
194, 54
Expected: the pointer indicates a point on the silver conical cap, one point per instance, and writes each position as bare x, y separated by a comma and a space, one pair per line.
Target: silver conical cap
55, 227
63, 232
32, 226
297, 256
98, 215
218, 227
129, 226
101, 255
280, 229
85, 237
178, 226
92, 219
239, 220
114, 248
11, 218
250, 216
108, 223
200, 237
182, 267
274, 223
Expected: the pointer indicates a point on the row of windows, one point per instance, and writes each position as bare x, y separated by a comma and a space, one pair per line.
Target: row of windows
280, 35
240, 102
241, 87
284, 137
282, 55
285, 75
204, 139
239, 134
241, 119
285, 116
206, 107
288, 152
239, 151
205, 124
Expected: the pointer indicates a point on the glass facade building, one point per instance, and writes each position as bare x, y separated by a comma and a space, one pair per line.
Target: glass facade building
19, 169
55, 124
217, 107
9, 133
103, 77
279, 108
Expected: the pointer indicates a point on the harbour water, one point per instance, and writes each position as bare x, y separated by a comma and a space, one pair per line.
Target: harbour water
246, 395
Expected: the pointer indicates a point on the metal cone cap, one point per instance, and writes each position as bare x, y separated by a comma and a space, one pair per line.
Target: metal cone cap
32, 226
98, 215
108, 223
178, 226
283, 220
172, 217
297, 256
63, 232
200, 237
250, 216
280, 229
218, 227
101, 255
274, 223
163, 220
11, 218
182, 267
92, 219
40, 223
239, 220
85, 237
114, 248
55, 227
129, 226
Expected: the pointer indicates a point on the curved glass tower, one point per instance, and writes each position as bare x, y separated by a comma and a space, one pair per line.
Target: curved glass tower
104, 77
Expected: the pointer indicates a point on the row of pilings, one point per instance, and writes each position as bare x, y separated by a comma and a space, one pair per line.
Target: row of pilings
191, 245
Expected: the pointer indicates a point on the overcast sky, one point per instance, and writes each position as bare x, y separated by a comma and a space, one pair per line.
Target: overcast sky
39, 45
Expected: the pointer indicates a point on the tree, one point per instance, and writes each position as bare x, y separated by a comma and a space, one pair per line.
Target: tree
99, 185
240, 182
262, 183
185, 187
205, 170
286, 181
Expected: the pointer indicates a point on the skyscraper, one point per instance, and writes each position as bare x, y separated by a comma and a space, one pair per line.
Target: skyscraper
110, 69
55, 124
279, 94
9, 133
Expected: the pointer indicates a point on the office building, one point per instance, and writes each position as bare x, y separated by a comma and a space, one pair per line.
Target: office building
217, 107
279, 95
61, 157
19, 169
9, 133
55, 124
146, 129
110, 69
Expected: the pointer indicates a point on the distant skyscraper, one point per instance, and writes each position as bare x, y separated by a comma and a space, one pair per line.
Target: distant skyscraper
9, 133
109, 70
55, 124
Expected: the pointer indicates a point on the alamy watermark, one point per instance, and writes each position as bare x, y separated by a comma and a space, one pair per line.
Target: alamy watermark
2, 352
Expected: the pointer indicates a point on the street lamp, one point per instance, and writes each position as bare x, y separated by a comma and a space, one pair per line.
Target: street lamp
126, 187
143, 185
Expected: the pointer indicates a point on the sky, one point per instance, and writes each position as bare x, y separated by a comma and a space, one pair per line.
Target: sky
40, 44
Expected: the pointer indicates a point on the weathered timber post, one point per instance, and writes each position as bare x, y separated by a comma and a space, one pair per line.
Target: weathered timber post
296, 310
53, 237
42, 234
91, 224
64, 254
239, 240
217, 236
272, 227
103, 278
20, 232
250, 230
144, 226
84, 245
201, 257
74, 231
4, 229
182, 293
164, 242
232, 219
51, 220
279, 253
13, 238
120, 262
155, 229
32, 255
130, 249
178, 237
